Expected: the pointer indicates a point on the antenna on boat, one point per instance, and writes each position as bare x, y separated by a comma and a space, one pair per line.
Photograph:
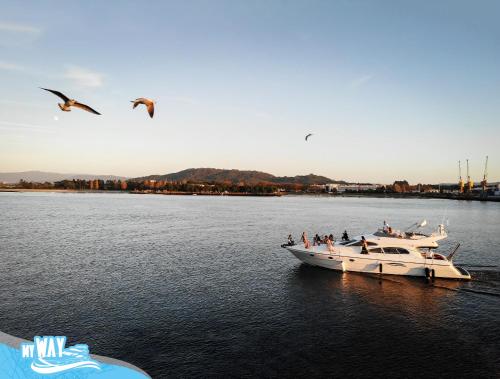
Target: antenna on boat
450, 256
445, 214
417, 225
445, 218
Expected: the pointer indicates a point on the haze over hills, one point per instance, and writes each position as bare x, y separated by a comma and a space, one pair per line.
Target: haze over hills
197, 175
200, 175
41, 176
213, 175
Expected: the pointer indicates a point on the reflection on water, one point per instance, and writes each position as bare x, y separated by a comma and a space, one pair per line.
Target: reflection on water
196, 286
395, 323
416, 298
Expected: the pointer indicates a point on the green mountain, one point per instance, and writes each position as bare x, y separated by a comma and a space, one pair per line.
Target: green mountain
215, 175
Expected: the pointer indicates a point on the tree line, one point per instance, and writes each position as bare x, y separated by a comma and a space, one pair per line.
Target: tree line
184, 186
148, 186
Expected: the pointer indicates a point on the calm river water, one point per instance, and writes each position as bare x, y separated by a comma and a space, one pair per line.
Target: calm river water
192, 286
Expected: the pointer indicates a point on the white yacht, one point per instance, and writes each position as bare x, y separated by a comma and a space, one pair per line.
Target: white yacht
390, 253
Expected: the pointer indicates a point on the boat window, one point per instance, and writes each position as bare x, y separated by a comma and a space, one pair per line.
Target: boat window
403, 251
346, 242
359, 243
391, 250
377, 250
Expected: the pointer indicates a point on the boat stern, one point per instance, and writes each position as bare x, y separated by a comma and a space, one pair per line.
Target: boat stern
449, 271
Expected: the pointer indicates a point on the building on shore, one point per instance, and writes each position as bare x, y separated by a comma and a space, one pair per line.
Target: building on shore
340, 188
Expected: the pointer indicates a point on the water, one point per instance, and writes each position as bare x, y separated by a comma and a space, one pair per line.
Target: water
192, 286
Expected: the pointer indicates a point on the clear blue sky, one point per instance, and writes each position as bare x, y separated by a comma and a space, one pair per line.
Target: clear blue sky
390, 89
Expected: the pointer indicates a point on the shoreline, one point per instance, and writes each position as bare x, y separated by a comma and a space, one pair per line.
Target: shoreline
280, 194
172, 193
53, 190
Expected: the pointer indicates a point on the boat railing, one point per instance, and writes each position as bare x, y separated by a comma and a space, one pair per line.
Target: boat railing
398, 234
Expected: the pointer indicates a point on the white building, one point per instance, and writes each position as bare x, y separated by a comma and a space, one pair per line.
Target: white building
351, 187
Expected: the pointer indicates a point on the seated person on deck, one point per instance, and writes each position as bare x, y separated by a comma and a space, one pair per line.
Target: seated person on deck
364, 246
345, 236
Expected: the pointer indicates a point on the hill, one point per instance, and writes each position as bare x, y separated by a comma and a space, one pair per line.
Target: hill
41, 176
215, 175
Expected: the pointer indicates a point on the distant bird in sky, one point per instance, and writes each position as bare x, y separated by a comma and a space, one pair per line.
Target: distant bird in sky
150, 104
68, 103
309, 135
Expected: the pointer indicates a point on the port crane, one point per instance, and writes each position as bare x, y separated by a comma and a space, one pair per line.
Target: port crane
484, 182
470, 183
460, 180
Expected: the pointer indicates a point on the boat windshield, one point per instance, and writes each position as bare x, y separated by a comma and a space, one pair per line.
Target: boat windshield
359, 243
395, 250
346, 242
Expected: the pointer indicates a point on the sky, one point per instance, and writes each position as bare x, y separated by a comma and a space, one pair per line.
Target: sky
391, 90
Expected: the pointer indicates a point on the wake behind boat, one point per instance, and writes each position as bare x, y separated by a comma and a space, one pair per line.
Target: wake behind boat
384, 252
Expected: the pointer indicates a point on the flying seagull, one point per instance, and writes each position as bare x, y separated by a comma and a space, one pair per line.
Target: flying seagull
150, 104
309, 135
68, 103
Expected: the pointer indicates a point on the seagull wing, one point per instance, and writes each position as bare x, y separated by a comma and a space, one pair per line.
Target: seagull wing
85, 107
139, 100
57, 93
151, 109
309, 135
150, 105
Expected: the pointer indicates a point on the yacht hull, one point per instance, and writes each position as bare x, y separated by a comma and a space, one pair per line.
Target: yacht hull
378, 263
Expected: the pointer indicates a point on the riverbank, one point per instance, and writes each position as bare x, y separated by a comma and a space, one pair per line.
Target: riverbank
177, 193
146, 192
445, 196
47, 190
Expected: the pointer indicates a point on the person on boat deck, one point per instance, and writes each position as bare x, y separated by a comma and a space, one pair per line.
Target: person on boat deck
291, 242
307, 244
325, 239
386, 227
317, 240
303, 238
364, 245
345, 236
330, 237
329, 244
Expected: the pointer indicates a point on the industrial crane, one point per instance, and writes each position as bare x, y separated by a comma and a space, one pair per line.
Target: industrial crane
470, 183
484, 182
460, 180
